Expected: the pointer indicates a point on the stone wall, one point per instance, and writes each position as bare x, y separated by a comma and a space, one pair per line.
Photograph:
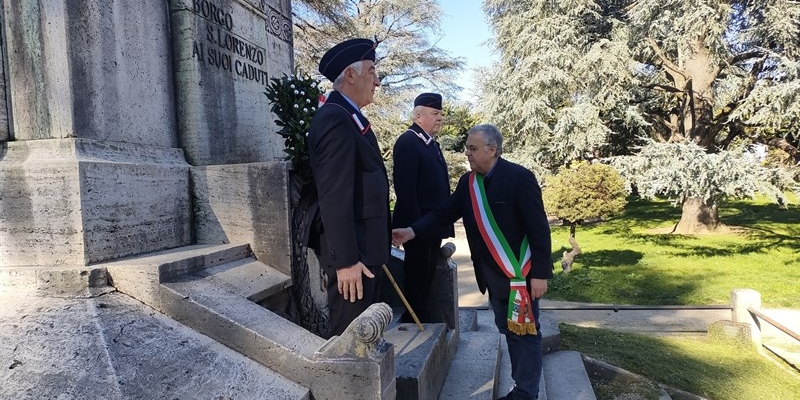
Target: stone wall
245, 203
91, 69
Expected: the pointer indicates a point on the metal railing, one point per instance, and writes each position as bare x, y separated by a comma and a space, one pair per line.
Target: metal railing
617, 308
756, 313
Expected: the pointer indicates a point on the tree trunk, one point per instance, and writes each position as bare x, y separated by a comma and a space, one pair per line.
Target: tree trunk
568, 257
698, 216
310, 316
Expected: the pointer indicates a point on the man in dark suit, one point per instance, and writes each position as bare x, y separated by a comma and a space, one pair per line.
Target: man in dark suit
422, 184
351, 183
509, 241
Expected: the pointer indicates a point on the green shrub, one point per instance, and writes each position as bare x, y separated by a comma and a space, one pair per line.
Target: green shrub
584, 192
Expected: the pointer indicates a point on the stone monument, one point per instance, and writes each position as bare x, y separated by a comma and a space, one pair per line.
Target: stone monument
138, 159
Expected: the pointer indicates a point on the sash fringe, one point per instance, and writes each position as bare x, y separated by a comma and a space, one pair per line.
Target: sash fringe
527, 328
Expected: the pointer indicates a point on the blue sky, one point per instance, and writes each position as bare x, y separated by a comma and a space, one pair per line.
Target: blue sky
464, 32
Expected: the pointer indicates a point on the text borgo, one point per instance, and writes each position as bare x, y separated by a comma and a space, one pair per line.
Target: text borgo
210, 11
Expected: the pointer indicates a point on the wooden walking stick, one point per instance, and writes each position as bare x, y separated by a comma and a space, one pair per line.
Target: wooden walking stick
405, 302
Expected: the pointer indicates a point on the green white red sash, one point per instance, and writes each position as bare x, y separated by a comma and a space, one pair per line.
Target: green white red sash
520, 305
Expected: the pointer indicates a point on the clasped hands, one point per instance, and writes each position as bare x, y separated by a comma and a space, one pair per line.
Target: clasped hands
402, 235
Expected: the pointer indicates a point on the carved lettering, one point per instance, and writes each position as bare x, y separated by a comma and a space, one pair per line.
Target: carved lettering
211, 12
230, 42
197, 51
227, 51
250, 72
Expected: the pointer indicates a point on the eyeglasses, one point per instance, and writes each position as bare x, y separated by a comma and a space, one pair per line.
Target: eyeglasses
472, 149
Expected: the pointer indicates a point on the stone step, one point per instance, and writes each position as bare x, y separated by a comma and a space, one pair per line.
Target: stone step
476, 375
421, 359
504, 381
202, 304
566, 377
249, 278
473, 372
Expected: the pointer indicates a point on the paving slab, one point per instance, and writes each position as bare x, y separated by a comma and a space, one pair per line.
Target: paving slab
114, 347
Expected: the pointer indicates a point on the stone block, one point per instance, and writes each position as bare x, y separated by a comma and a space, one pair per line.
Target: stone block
80, 201
729, 331
245, 203
225, 51
92, 69
423, 359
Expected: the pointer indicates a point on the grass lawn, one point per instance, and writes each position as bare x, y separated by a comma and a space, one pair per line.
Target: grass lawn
630, 260
712, 369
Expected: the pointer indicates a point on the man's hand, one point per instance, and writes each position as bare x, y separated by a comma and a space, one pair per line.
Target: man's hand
402, 235
349, 280
538, 287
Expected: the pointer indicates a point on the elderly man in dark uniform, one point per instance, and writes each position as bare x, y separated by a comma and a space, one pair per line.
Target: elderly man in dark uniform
422, 184
509, 242
351, 183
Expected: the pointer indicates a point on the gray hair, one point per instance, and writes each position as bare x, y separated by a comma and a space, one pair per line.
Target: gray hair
491, 134
356, 66
416, 111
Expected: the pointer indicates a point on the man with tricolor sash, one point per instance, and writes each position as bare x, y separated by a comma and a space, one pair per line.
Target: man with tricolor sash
500, 203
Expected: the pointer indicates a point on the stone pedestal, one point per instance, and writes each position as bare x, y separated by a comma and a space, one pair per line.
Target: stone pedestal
81, 201
94, 171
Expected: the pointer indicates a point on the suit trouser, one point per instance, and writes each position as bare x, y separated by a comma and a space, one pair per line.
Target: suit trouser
525, 351
419, 266
342, 312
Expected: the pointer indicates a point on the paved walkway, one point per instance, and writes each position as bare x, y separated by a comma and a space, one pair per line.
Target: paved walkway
655, 322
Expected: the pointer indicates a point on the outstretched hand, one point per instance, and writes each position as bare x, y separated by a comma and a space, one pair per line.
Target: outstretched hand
402, 235
349, 281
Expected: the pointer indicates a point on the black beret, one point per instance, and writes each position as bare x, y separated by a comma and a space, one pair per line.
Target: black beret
432, 100
343, 54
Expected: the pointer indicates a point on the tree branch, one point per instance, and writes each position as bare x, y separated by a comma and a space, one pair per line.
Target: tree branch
664, 60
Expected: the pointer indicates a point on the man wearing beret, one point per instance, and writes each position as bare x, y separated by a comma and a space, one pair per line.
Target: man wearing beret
422, 184
500, 203
351, 181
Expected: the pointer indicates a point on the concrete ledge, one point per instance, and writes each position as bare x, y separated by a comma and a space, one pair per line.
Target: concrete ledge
566, 377
731, 332
71, 282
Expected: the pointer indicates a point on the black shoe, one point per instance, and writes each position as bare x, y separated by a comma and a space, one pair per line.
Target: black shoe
509, 396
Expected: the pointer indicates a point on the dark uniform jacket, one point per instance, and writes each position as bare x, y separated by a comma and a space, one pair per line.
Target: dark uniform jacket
352, 186
421, 180
515, 199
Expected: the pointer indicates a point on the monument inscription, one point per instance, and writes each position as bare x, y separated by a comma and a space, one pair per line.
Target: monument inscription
224, 55
224, 49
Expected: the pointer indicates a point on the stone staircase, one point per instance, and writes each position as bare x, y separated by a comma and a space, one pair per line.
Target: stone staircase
223, 292
480, 369
214, 289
